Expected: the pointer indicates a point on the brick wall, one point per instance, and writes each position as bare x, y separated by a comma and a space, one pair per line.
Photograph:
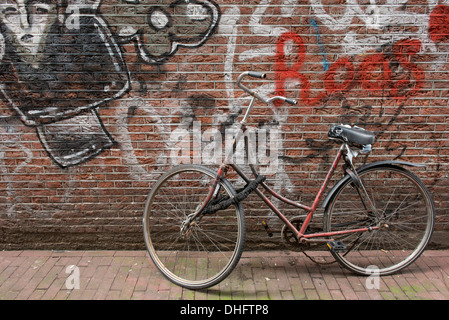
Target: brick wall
95, 95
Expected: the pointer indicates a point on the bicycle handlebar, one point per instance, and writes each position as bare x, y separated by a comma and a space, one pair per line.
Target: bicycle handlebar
291, 101
259, 75
253, 93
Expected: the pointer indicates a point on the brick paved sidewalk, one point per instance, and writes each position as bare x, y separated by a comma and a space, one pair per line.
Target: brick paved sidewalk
111, 275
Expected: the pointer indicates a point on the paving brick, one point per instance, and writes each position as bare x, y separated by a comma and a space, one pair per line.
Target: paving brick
266, 275
346, 289
336, 294
322, 289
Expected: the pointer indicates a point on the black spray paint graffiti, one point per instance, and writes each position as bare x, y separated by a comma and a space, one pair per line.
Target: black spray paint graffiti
54, 74
60, 61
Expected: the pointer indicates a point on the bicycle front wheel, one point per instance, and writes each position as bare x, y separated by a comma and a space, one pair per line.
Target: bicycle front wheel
398, 203
204, 254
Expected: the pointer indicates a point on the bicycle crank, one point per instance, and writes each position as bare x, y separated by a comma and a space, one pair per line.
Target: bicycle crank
289, 238
292, 243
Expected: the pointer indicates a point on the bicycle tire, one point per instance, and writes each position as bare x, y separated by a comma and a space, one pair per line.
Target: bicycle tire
210, 250
408, 214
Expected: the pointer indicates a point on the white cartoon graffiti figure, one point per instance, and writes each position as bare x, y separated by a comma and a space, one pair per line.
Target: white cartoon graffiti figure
159, 30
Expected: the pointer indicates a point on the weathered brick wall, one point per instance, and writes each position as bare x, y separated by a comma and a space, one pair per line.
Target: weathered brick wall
95, 93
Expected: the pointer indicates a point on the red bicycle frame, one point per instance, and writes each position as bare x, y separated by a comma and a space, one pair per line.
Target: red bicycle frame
300, 234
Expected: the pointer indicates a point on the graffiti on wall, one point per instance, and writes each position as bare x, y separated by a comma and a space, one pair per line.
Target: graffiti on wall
55, 73
386, 69
60, 62
321, 58
375, 75
65, 64
158, 31
378, 73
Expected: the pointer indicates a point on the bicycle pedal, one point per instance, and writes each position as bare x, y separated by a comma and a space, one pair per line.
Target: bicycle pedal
337, 246
267, 228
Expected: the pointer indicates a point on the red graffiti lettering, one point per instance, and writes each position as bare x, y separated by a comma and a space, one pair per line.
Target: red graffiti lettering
375, 73
439, 24
330, 84
284, 72
403, 51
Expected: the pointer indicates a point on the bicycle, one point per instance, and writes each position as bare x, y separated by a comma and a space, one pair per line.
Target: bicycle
379, 214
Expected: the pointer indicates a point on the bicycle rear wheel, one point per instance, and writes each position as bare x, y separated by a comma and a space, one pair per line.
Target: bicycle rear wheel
406, 216
205, 253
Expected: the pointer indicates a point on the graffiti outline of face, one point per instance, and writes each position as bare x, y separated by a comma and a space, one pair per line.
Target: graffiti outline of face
27, 23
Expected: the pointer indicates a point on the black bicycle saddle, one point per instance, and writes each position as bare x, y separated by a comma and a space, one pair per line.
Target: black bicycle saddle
355, 135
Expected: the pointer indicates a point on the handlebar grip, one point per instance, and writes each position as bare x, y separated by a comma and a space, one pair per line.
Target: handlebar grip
291, 101
259, 75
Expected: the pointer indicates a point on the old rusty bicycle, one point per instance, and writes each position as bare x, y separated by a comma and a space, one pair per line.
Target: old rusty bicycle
379, 214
